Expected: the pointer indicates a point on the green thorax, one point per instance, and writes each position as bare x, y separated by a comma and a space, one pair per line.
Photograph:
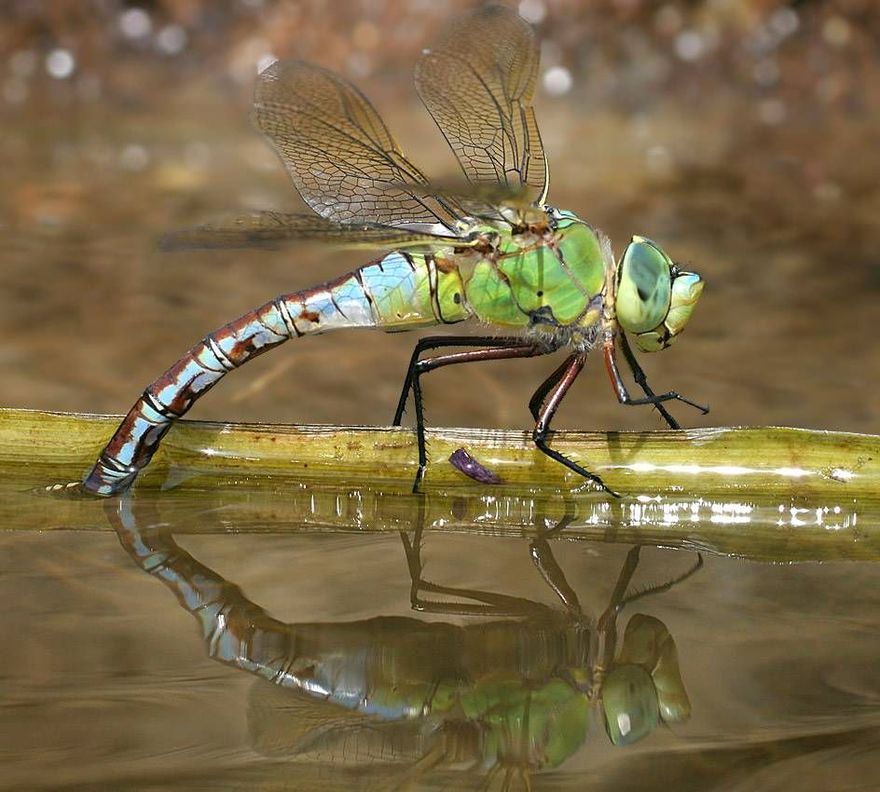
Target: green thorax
550, 277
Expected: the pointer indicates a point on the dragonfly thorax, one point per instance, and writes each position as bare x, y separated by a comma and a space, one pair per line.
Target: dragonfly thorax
547, 276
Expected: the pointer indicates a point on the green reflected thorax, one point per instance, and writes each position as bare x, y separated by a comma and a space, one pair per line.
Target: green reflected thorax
553, 717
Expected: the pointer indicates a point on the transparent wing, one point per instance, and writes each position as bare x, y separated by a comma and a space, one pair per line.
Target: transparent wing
477, 83
339, 153
478, 199
284, 722
274, 229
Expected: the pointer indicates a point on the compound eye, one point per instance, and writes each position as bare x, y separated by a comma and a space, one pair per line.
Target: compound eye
645, 286
629, 702
686, 290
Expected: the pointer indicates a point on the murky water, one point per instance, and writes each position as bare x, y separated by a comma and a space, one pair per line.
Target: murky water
764, 674
755, 165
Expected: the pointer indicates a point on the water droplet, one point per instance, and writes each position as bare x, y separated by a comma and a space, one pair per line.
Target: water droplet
689, 45
771, 112
60, 64
135, 23
766, 72
366, 36
171, 39
784, 21
557, 81
359, 64
668, 20
532, 11
836, 31
134, 157
827, 192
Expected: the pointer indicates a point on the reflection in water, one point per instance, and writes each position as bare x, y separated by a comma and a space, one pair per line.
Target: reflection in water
506, 696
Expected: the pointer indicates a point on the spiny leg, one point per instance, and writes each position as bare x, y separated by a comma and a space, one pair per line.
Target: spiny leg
435, 342
607, 623
642, 381
545, 387
500, 349
573, 366
659, 588
548, 567
546, 564
485, 603
622, 393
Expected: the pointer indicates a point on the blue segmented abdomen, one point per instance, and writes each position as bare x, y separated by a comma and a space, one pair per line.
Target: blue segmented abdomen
400, 291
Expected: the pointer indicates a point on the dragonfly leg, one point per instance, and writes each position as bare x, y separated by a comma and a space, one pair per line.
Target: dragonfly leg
549, 569
435, 342
485, 603
622, 393
573, 366
607, 624
545, 387
490, 349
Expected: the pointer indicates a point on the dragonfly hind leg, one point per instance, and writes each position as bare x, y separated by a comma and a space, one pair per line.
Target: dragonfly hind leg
487, 348
544, 404
481, 343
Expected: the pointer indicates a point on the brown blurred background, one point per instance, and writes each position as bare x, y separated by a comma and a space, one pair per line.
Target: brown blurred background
741, 135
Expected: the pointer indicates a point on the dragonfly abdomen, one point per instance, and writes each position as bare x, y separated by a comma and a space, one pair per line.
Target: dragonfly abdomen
400, 291
412, 290
397, 292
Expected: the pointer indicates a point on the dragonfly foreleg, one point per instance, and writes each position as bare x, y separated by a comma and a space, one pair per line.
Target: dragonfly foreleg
607, 624
572, 367
490, 348
641, 380
549, 569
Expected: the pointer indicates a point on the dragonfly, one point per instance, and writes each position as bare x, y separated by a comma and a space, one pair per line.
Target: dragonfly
509, 694
539, 279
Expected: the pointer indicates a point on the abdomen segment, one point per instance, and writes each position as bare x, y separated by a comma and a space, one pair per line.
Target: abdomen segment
397, 292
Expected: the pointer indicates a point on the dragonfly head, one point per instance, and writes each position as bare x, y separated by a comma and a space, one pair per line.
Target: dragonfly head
654, 300
643, 688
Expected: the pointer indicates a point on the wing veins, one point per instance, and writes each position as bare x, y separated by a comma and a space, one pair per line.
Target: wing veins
413, 174
478, 83
339, 152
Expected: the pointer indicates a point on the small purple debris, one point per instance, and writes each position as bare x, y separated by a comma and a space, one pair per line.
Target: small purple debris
463, 461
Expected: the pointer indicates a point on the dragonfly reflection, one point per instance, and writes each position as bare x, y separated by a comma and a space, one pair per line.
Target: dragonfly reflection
506, 697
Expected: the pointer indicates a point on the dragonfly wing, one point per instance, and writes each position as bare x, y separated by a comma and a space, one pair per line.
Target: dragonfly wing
339, 152
270, 229
284, 722
480, 200
478, 83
